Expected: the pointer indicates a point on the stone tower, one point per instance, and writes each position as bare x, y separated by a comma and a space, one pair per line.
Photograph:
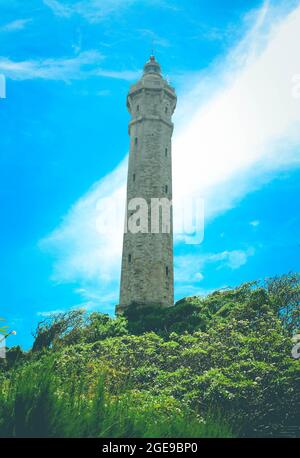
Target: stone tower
147, 263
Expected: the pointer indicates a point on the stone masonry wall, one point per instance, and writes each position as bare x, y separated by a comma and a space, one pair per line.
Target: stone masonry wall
147, 263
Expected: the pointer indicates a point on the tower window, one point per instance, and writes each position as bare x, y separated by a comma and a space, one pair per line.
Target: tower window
167, 271
133, 177
129, 258
137, 108
136, 141
166, 152
166, 110
166, 188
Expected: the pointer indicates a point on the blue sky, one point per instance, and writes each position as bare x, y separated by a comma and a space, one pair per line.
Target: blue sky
63, 145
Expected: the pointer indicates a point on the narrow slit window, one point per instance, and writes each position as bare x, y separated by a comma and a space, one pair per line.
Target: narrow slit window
136, 141
166, 110
167, 271
166, 189
166, 152
133, 177
129, 258
138, 108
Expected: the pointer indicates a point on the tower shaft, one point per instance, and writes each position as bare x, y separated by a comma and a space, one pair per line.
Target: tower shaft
147, 262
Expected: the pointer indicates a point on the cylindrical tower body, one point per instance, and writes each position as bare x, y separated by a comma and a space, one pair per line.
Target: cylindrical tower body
147, 263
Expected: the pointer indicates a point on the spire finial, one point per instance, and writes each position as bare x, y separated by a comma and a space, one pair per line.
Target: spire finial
152, 49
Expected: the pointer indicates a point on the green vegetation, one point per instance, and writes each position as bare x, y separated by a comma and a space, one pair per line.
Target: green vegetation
216, 366
36, 404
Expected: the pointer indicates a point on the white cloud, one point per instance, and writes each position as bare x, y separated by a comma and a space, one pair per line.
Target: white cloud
231, 259
18, 24
51, 69
82, 249
93, 298
199, 276
247, 130
254, 223
83, 65
234, 131
188, 267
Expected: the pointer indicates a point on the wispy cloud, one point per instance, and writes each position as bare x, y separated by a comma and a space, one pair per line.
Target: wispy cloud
154, 39
189, 268
84, 65
51, 69
59, 8
93, 298
234, 131
128, 75
249, 128
95, 11
18, 24
209, 33
231, 259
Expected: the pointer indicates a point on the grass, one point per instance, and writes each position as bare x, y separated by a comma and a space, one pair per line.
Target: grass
35, 404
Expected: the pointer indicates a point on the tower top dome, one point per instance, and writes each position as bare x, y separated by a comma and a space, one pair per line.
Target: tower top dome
152, 66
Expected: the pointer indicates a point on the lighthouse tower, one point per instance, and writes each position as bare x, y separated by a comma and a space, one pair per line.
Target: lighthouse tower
147, 263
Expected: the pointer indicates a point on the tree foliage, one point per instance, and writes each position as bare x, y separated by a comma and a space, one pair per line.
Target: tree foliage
228, 353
